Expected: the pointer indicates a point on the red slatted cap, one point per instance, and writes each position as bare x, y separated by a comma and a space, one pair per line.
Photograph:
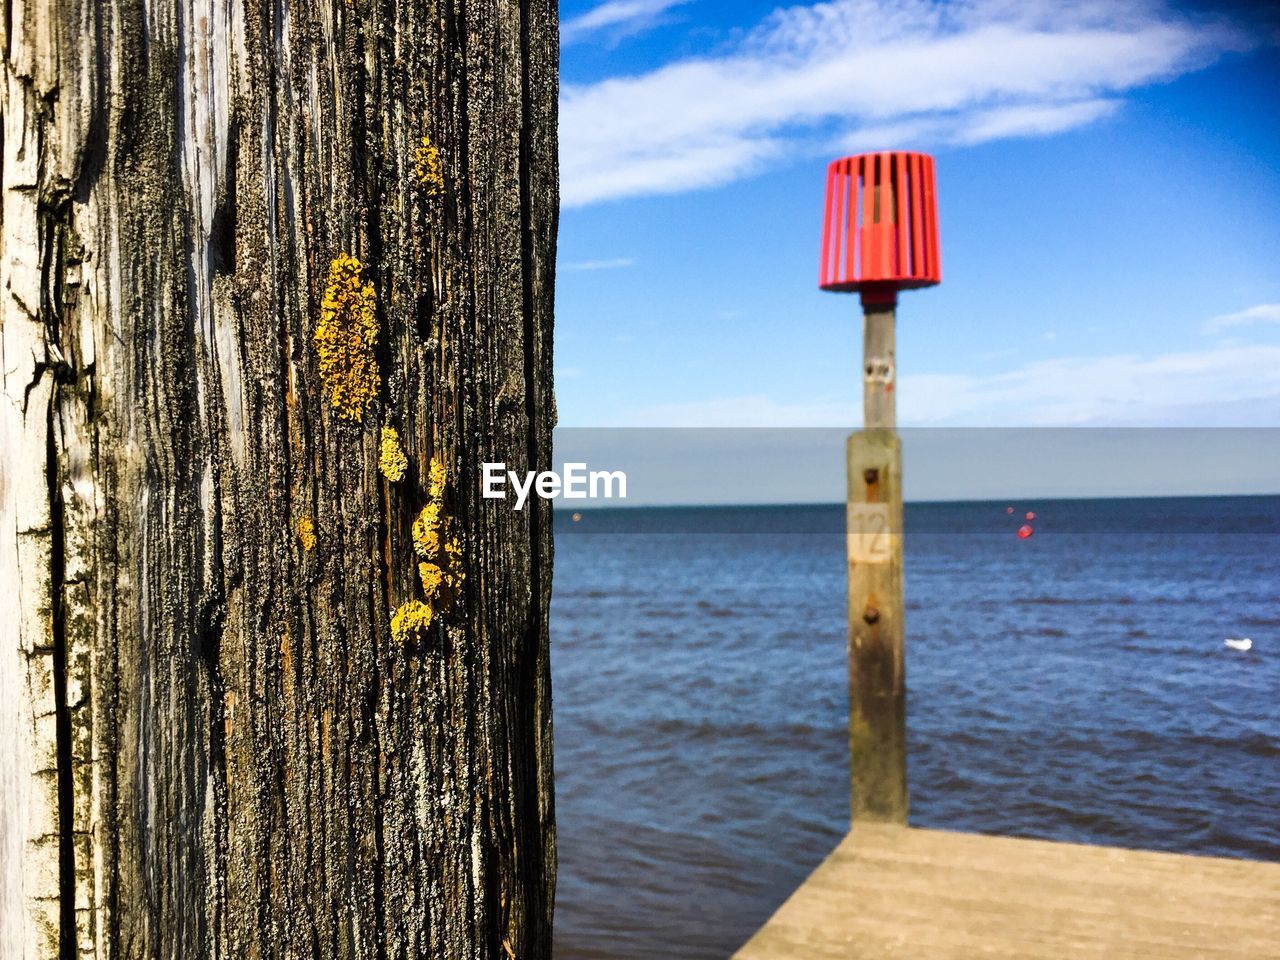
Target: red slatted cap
880, 229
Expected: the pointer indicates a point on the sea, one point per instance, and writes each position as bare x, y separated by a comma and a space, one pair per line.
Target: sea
1071, 685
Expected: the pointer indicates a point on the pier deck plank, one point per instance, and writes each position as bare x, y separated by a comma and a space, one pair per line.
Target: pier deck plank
891, 891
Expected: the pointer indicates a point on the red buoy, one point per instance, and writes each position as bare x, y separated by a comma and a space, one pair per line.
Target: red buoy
1031, 514
1025, 531
1009, 510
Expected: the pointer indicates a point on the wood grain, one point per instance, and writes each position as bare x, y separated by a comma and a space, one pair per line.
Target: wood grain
892, 891
212, 746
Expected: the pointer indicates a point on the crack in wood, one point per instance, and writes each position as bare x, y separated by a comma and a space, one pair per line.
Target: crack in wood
66, 788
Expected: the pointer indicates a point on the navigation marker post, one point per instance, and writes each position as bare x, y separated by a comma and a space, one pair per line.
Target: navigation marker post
880, 235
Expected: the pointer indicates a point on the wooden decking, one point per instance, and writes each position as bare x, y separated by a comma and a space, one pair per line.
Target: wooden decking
930, 895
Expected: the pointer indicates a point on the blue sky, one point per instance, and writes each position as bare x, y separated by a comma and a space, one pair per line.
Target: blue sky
1109, 194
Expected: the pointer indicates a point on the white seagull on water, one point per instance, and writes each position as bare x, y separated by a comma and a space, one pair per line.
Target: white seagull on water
1244, 646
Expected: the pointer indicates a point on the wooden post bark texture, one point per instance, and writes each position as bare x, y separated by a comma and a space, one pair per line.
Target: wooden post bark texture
210, 744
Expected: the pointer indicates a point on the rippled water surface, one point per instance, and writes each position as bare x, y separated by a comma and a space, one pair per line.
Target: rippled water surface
1072, 686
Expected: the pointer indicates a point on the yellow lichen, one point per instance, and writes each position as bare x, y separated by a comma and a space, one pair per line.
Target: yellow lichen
307, 533
391, 459
346, 337
440, 565
436, 478
411, 621
432, 576
426, 531
428, 168
454, 574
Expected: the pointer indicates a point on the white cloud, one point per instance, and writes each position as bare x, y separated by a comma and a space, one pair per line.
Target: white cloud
617, 263
752, 410
1191, 388
1227, 386
979, 126
621, 17
1262, 313
863, 73
1031, 120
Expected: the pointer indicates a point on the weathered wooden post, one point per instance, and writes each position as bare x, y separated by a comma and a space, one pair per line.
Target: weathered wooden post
275, 280
880, 236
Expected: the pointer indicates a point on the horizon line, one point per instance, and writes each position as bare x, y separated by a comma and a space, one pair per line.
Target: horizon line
996, 500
